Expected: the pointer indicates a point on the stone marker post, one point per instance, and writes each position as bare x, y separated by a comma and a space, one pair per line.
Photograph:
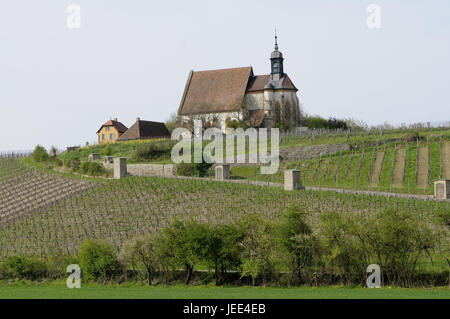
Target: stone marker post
442, 189
222, 172
93, 157
292, 180
120, 167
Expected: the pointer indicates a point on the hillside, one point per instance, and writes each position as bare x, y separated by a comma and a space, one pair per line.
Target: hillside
396, 165
116, 210
24, 190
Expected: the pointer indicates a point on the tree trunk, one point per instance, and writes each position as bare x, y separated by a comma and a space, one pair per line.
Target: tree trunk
149, 277
217, 274
189, 269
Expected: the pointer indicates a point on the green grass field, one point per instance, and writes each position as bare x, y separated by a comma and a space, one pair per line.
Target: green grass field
116, 292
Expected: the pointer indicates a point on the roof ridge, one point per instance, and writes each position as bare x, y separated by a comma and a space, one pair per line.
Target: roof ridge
223, 69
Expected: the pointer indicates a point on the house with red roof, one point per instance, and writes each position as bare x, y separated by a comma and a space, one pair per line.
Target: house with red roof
110, 131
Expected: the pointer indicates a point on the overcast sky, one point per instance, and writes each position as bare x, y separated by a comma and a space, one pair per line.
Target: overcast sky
131, 58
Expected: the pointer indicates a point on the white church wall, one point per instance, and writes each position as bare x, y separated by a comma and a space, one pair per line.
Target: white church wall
254, 101
221, 118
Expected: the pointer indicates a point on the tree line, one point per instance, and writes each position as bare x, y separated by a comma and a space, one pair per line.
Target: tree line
292, 251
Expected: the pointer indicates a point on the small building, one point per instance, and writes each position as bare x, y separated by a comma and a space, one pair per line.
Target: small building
110, 131
142, 130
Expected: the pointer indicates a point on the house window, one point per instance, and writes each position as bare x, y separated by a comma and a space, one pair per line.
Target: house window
111, 136
107, 128
103, 137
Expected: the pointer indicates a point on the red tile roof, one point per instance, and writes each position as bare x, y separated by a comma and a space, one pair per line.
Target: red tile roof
258, 82
119, 126
216, 91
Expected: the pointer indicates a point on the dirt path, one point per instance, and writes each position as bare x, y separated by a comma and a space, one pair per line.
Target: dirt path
422, 174
376, 169
446, 160
332, 189
399, 166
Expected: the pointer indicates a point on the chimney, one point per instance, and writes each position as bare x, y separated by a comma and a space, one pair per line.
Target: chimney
138, 119
115, 119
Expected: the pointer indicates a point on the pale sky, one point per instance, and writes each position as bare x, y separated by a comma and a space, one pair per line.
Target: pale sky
131, 58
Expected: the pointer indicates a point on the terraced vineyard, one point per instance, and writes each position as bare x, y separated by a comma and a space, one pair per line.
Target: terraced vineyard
115, 210
397, 166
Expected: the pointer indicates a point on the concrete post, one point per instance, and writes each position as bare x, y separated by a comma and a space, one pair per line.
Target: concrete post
109, 159
292, 180
442, 189
169, 170
120, 167
93, 157
222, 172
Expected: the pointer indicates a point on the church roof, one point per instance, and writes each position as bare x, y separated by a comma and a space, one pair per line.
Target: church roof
223, 90
259, 82
215, 91
145, 130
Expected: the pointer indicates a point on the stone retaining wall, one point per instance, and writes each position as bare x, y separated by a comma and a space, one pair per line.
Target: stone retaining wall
148, 169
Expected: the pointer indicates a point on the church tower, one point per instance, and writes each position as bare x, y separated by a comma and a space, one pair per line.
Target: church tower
276, 60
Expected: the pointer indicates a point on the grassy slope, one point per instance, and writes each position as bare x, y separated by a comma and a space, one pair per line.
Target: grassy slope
358, 138
129, 292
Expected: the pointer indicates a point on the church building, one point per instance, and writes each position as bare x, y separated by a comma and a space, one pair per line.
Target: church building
220, 97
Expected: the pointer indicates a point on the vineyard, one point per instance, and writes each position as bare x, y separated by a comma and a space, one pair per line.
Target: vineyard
60, 213
409, 167
24, 190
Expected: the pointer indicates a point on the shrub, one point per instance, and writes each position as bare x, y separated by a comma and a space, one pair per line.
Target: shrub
393, 239
107, 150
316, 122
91, 168
193, 169
24, 267
154, 150
234, 124
97, 260
224, 249
4, 271
40, 154
171, 125
257, 249
57, 161
73, 163
341, 235
57, 265
398, 239
413, 136
141, 252
185, 245
296, 237
334, 124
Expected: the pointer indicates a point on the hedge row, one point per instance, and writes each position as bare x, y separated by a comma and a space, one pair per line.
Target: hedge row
290, 252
